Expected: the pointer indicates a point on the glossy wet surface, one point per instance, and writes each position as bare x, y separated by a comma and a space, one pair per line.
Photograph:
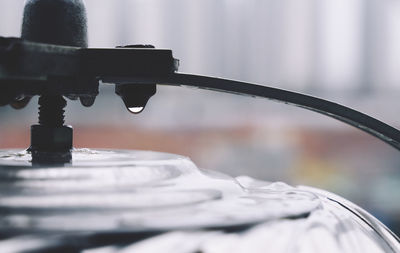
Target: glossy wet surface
136, 191
139, 201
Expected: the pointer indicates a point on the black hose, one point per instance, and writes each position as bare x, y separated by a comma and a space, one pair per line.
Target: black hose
370, 125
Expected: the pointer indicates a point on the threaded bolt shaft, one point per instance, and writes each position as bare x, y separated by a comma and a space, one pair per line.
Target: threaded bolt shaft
51, 110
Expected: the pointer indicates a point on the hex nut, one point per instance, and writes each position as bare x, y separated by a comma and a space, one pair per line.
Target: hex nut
51, 139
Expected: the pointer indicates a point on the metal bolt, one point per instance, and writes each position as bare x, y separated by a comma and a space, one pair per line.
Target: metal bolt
51, 110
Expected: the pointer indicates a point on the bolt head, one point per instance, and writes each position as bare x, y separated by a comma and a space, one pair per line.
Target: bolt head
51, 139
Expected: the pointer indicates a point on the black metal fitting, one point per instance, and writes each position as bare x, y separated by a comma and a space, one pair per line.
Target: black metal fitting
59, 22
135, 96
51, 60
51, 110
51, 139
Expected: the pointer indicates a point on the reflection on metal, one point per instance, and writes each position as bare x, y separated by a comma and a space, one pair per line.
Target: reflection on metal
135, 110
140, 201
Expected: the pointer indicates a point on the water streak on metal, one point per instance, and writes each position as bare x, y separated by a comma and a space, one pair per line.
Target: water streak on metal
136, 191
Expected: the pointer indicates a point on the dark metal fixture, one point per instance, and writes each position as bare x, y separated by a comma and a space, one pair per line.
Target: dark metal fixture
134, 71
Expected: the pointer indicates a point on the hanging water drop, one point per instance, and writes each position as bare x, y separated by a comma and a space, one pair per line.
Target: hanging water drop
136, 110
135, 96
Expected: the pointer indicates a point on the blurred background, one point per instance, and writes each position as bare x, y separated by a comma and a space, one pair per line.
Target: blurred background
347, 51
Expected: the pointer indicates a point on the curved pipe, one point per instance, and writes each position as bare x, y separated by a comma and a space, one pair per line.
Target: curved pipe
372, 126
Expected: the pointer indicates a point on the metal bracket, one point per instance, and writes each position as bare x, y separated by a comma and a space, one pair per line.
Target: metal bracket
142, 67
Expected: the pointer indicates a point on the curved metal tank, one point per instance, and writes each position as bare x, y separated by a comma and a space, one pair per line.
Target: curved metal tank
142, 201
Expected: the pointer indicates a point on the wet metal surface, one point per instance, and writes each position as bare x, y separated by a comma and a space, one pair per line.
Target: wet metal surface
136, 191
141, 201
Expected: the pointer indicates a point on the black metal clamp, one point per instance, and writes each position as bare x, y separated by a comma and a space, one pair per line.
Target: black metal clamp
142, 67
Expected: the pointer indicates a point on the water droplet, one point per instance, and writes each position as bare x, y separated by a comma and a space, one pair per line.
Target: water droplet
136, 110
87, 101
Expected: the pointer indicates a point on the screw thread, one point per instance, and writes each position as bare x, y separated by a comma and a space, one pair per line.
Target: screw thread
51, 110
